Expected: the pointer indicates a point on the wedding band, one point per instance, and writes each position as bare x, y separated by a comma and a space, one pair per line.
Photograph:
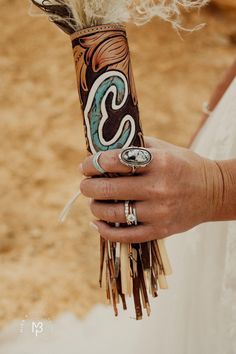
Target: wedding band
135, 157
135, 215
96, 162
130, 214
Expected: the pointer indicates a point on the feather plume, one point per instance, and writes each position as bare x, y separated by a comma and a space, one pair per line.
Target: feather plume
73, 15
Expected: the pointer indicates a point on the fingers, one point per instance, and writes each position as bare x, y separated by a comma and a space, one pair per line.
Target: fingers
134, 234
115, 212
119, 188
110, 162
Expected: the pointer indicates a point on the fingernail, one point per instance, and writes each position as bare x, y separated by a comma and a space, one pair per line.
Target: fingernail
93, 226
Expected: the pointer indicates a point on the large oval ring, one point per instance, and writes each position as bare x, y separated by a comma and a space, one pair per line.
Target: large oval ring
96, 163
135, 157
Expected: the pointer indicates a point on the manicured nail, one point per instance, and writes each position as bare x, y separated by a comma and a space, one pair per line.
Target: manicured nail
93, 226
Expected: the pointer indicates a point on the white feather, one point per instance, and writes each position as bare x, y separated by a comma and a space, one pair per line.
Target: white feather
87, 13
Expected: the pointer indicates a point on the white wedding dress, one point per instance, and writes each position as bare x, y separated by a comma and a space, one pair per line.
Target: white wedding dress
197, 315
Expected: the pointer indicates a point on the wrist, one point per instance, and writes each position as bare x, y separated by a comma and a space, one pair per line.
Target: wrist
213, 190
223, 194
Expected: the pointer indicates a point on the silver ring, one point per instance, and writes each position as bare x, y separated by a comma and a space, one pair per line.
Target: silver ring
130, 214
96, 162
135, 157
135, 215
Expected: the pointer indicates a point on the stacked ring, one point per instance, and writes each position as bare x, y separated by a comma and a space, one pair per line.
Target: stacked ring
130, 214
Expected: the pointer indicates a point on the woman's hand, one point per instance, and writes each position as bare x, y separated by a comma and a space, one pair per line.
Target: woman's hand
176, 192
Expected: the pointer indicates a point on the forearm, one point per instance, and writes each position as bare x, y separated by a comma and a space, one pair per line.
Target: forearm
225, 208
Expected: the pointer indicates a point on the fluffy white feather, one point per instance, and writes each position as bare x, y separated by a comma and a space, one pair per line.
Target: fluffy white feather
85, 13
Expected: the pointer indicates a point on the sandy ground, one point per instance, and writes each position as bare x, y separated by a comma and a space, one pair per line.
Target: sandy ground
46, 268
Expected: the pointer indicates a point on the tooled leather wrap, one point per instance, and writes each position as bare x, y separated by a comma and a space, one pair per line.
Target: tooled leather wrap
106, 88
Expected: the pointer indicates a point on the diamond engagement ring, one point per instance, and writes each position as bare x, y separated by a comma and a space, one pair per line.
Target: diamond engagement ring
130, 213
135, 157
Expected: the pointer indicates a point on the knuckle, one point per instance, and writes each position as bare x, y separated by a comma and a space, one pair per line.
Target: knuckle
150, 188
111, 214
164, 160
163, 189
106, 189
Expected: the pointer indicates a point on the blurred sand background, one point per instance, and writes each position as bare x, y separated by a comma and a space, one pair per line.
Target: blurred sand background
47, 268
